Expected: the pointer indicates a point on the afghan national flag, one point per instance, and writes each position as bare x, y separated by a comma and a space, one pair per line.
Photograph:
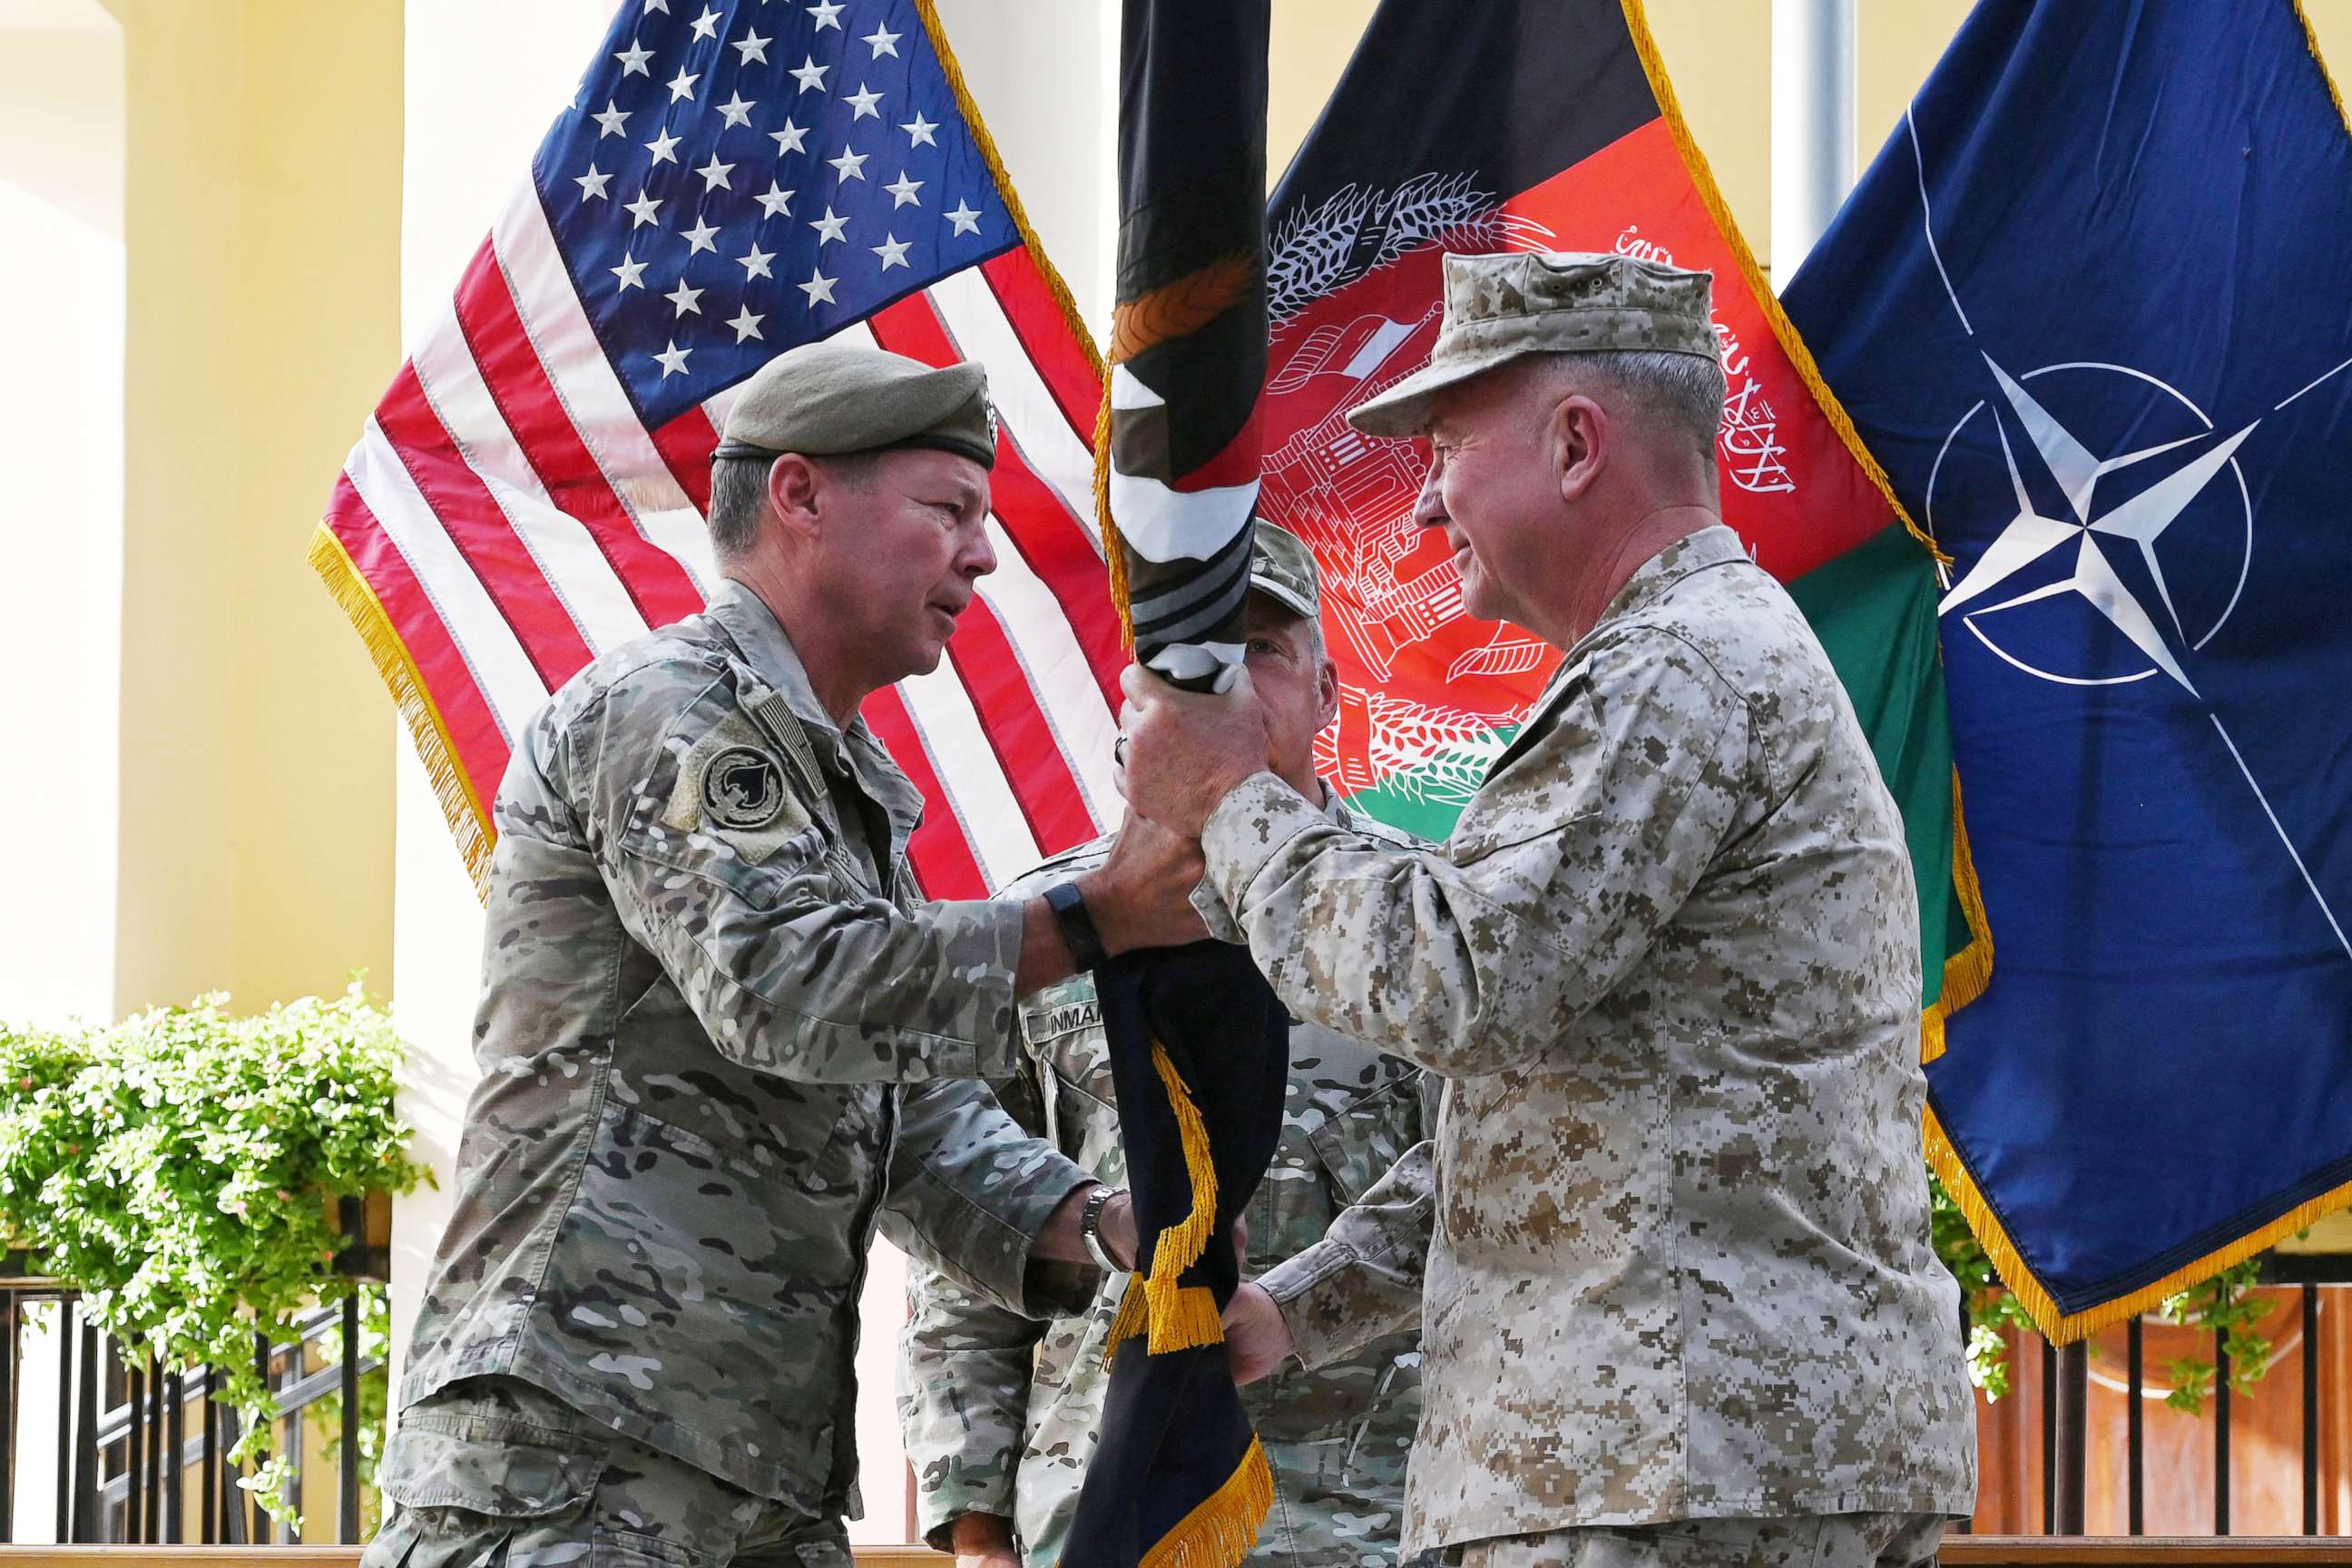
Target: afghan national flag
2093, 304
1552, 127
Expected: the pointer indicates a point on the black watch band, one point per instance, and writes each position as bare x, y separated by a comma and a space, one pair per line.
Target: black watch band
1077, 926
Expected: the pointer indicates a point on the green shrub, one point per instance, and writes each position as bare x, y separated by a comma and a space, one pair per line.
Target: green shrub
181, 1169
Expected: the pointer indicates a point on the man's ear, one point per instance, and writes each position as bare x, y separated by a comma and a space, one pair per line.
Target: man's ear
795, 488
1327, 695
1576, 442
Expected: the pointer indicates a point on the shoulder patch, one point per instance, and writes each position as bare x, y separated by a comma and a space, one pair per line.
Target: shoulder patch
742, 788
731, 781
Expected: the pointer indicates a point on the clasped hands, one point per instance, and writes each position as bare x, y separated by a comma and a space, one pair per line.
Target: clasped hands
1181, 753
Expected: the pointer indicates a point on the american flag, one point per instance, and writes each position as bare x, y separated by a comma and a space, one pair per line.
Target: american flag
734, 178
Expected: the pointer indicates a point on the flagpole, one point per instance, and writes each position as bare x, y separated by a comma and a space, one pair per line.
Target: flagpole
1813, 69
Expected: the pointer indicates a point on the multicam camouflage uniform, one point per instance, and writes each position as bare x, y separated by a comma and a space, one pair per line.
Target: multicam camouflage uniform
1000, 1414
715, 1026
1668, 963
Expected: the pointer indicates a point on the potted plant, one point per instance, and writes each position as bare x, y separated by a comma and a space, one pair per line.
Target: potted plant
183, 1170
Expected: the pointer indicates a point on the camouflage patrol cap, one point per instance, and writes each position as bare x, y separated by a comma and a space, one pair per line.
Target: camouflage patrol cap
1504, 307
829, 400
1283, 569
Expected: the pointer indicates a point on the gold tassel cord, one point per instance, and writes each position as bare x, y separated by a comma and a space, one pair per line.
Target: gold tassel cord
1223, 1527
470, 825
1184, 1316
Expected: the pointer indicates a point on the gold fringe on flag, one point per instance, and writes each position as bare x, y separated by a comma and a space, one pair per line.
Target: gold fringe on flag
470, 825
1133, 1319
2063, 1328
1968, 972
1184, 1315
1222, 1528
1959, 976
2311, 42
1193, 1320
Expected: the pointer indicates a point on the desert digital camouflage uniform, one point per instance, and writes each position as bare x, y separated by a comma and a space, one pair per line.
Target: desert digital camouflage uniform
1668, 964
1000, 1414
716, 1025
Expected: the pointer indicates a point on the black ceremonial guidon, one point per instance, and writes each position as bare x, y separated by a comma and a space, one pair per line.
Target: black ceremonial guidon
1200, 1054
1177, 458
1199, 1047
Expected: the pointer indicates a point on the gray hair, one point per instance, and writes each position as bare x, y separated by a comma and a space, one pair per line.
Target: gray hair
739, 495
1684, 391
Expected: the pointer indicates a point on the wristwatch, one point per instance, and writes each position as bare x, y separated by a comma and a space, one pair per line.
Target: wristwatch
1090, 1228
1077, 926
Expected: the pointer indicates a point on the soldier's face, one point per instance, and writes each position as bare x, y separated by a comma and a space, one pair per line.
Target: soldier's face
901, 557
1298, 685
1494, 494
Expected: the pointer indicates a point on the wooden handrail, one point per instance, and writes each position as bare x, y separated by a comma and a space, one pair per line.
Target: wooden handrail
2115, 1550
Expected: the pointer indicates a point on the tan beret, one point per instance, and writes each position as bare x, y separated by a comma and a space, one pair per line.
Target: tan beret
830, 400
1505, 307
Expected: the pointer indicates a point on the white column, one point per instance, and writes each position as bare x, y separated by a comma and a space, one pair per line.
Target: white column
511, 66
62, 446
1813, 56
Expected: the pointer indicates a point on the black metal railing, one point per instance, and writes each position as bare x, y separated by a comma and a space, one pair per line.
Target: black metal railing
136, 1442
2066, 1435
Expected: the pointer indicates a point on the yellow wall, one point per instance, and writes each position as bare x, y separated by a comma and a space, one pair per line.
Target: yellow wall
1307, 47
1719, 54
262, 217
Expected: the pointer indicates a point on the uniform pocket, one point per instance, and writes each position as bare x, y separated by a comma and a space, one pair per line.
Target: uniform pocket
466, 1484
1357, 1146
627, 1549
690, 1221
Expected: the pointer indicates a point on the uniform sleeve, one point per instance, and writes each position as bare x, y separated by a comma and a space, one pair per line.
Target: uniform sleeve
791, 967
1363, 1278
1469, 960
971, 1186
963, 1400
964, 1359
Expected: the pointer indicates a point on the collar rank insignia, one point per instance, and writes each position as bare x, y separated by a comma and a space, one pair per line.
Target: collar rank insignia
743, 789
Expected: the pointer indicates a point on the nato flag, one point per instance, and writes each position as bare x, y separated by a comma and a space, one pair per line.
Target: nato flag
2092, 307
